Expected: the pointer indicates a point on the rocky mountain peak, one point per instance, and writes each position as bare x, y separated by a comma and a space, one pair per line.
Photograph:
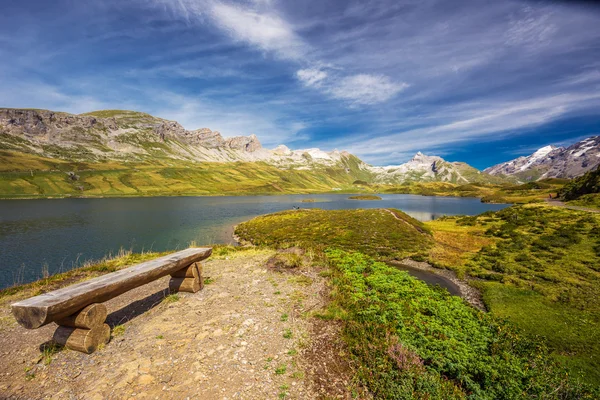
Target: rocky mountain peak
553, 162
246, 143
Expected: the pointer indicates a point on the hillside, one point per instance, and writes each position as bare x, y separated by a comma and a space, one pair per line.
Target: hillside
127, 153
584, 190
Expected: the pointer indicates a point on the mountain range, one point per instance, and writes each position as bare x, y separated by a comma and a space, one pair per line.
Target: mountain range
553, 162
130, 137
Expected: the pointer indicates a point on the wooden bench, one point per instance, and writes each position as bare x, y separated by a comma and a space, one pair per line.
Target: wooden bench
78, 309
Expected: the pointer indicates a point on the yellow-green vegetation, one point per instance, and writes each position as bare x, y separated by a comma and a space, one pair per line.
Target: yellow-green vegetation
28, 175
540, 268
109, 264
25, 175
531, 192
365, 197
118, 330
591, 200
584, 190
381, 233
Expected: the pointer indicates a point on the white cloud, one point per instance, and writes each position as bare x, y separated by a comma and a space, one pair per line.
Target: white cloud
366, 89
311, 76
265, 30
530, 27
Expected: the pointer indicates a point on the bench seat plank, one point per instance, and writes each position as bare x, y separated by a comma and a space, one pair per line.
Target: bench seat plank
52, 306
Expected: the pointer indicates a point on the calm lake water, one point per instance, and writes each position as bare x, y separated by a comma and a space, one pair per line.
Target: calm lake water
64, 233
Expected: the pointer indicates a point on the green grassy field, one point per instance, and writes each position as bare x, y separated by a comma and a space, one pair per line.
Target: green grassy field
410, 340
380, 233
539, 267
27, 176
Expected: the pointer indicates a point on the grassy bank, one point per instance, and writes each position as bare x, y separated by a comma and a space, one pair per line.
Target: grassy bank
539, 267
532, 192
411, 340
380, 233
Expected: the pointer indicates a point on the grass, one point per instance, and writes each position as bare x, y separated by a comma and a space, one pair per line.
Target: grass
89, 270
118, 330
411, 340
280, 370
172, 298
365, 197
25, 175
287, 334
591, 200
382, 233
539, 267
535, 264
488, 192
29, 175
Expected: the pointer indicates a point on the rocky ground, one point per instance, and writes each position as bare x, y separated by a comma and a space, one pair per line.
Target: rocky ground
248, 335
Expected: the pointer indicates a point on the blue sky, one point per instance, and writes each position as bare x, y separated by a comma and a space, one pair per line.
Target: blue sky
475, 81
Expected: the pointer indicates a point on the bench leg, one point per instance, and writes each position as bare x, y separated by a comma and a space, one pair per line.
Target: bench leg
188, 279
85, 330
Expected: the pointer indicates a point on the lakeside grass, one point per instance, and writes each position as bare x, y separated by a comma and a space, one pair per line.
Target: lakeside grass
381, 233
365, 197
108, 264
539, 267
410, 340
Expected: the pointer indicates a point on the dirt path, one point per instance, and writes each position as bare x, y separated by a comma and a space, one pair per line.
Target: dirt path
245, 336
559, 203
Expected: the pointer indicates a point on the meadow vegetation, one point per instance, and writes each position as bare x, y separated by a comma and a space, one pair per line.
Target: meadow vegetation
381, 233
29, 175
584, 190
411, 340
537, 266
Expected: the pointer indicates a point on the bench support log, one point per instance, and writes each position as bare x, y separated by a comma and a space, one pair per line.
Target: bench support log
188, 279
85, 330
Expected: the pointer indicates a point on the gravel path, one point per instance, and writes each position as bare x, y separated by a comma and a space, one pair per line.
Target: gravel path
245, 336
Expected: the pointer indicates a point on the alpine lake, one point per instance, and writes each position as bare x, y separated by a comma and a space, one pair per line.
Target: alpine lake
57, 235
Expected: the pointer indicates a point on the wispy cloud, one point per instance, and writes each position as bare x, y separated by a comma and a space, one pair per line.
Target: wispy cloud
366, 89
311, 77
265, 30
258, 25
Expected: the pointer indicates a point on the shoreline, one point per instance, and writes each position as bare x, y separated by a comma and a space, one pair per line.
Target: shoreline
241, 195
467, 292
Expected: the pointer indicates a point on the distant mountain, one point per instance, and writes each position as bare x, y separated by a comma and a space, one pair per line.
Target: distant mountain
553, 162
133, 136
424, 168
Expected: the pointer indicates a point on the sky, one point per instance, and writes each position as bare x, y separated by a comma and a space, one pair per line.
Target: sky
469, 80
